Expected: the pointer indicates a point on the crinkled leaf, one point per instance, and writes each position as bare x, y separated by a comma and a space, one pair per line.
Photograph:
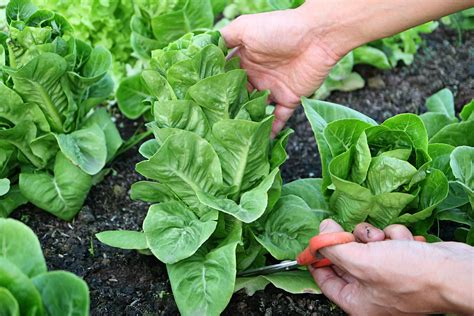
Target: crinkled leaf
434, 190
228, 94
289, 226
243, 148
181, 114
187, 164
252, 203
13, 109
362, 160
382, 138
39, 82
387, 206
184, 74
386, 174
45, 147
21, 136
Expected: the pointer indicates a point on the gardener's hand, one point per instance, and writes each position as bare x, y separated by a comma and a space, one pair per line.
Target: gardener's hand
291, 52
397, 276
281, 52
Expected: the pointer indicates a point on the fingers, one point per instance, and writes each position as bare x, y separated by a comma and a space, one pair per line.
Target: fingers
282, 114
329, 282
398, 232
232, 32
365, 232
345, 256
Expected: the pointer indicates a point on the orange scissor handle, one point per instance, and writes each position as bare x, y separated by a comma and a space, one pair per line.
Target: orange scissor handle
310, 256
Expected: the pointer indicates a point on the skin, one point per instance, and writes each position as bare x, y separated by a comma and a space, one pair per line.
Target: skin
388, 273
290, 53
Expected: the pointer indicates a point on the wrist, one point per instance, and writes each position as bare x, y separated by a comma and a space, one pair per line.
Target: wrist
329, 23
454, 284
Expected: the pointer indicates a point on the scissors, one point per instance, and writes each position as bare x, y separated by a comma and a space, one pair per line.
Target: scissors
309, 256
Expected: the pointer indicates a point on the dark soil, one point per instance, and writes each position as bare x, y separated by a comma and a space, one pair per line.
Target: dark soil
127, 283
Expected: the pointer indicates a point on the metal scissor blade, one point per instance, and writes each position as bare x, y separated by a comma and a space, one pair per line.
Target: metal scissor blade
283, 266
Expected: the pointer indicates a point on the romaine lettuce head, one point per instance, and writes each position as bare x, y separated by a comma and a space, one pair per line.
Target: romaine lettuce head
381, 174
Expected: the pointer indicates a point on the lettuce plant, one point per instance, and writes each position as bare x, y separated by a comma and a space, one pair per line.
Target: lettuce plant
213, 179
26, 286
157, 23
382, 54
463, 20
53, 140
452, 152
410, 169
104, 23
403, 46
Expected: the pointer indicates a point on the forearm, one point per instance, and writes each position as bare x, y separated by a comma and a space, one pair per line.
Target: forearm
352, 23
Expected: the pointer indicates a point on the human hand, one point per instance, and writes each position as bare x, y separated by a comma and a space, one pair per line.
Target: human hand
284, 52
396, 276
291, 52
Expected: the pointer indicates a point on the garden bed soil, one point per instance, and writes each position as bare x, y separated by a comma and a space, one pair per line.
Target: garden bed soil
127, 283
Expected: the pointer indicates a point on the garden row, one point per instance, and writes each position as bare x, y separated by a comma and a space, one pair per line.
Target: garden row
218, 203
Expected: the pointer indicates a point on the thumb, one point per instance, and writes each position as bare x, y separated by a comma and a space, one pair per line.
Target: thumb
343, 255
232, 32
329, 226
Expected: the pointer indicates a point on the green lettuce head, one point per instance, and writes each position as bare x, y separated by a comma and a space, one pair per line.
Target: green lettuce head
380, 174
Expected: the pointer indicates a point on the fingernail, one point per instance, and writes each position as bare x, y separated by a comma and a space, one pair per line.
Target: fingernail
323, 225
